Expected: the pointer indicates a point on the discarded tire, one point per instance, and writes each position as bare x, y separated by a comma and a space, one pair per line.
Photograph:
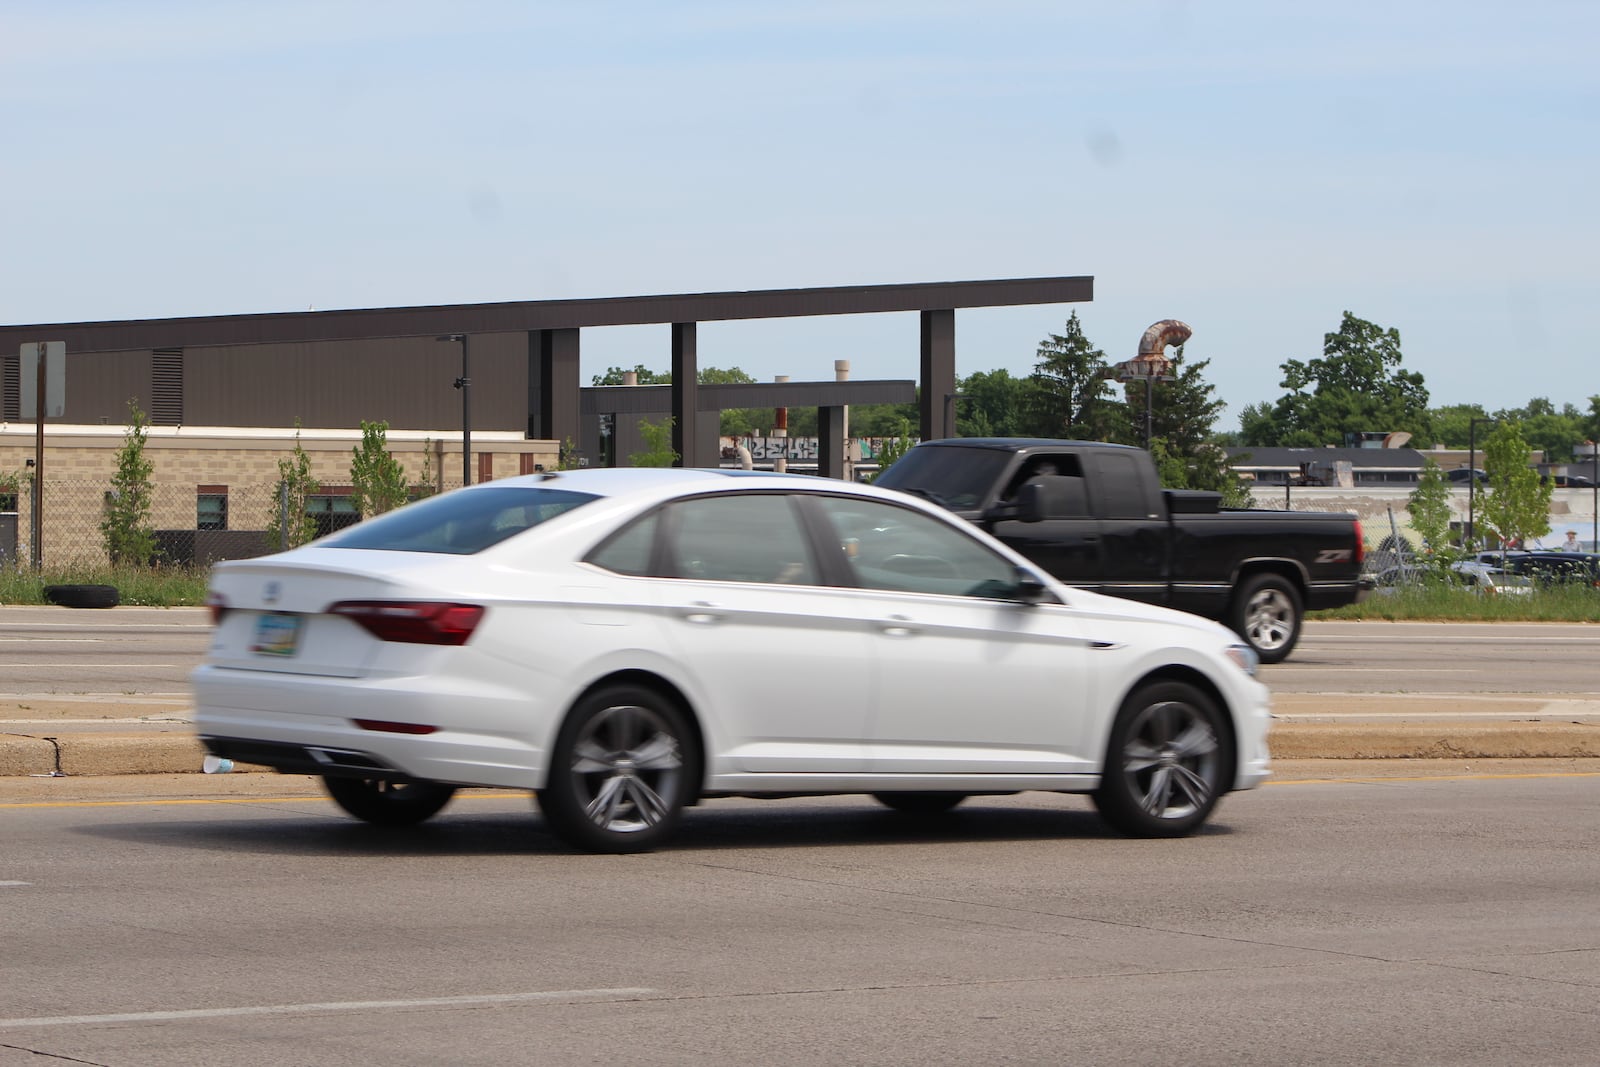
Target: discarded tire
83, 596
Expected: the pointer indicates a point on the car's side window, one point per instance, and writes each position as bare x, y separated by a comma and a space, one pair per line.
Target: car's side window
756, 537
896, 548
628, 550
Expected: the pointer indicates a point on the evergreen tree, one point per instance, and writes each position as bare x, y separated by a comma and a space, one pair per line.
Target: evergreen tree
125, 529
1071, 397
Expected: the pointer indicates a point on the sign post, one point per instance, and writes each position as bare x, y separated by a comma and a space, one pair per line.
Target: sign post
43, 393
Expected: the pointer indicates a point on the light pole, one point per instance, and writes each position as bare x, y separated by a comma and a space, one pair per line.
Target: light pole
1472, 475
1151, 370
464, 383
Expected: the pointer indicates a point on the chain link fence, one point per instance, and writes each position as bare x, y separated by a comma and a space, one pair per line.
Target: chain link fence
188, 526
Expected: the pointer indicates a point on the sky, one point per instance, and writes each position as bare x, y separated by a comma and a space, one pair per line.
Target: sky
1253, 169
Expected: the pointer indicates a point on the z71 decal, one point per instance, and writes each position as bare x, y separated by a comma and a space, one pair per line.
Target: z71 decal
1334, 555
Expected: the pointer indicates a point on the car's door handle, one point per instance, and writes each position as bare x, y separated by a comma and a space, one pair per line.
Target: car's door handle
703, 617
898, 626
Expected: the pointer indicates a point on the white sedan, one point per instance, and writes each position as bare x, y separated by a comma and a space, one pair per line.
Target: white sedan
626, 642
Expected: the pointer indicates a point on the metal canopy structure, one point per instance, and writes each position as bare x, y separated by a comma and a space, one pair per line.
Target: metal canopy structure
553, 326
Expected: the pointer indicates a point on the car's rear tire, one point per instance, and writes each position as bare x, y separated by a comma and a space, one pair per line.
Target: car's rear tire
388, 803
623, 767
1267, 614
920, 803
1169, 759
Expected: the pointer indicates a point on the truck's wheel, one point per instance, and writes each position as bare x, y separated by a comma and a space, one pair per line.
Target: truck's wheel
1266, 613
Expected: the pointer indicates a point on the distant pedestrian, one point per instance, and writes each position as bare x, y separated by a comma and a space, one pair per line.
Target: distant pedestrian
1571, 543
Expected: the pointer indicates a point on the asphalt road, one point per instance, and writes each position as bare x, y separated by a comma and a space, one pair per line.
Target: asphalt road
1411, 921
145, 654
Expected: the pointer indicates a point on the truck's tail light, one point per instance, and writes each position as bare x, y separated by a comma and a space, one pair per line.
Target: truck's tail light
217, 604
1361, 544
413, 622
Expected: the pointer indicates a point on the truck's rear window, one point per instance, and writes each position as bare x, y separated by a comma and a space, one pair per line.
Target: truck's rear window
460, 523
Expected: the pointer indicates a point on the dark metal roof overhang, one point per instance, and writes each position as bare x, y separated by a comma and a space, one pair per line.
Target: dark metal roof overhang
281, 327
655, 399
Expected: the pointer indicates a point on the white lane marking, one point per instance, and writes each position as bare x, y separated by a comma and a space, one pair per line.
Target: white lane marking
1342, 668
14, 884
86, 666
148, 720
345, 1005
52, 640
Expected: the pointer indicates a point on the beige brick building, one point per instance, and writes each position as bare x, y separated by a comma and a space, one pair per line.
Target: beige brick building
217, 483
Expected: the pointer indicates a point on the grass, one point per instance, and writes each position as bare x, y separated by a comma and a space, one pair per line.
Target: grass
186, 586
1431, 602
144, 586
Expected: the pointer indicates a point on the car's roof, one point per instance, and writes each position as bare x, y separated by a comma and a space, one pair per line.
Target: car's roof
665, 482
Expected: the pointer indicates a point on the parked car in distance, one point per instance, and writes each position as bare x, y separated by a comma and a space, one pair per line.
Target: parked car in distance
1461, 475
1556, 568
627, 642
1492, 580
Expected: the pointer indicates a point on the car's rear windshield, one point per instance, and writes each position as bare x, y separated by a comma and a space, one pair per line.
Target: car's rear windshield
462, 522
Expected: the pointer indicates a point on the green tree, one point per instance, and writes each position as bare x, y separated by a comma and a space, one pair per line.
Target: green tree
288, 523
1451, 424
377, 480
1357, 385
996, 405
891, 447
1516, 506
658, 450
613, 376
1429, 505
1071, 397
424, 486
125, 529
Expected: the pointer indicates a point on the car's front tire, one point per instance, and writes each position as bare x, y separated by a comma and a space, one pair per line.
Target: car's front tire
623, 767
1169, 759
388, 803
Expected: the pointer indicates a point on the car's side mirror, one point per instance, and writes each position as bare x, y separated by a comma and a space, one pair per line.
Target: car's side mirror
1030, 589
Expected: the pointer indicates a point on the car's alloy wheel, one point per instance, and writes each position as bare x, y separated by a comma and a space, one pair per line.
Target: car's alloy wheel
1268, 617
388, 803
620, 773
920, 803
1169, 759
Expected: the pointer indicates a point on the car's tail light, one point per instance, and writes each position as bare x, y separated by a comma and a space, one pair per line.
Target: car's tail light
1361, 544
413, 622
217, 604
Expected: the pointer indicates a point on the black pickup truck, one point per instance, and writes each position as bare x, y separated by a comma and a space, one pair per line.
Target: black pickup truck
1095, 515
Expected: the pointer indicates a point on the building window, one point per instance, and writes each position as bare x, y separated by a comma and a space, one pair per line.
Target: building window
211, 510
332, 512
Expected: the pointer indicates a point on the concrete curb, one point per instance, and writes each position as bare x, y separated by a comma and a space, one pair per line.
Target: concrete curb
177, 753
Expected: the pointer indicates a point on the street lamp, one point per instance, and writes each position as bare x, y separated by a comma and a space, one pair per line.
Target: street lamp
1472, 473
464, 383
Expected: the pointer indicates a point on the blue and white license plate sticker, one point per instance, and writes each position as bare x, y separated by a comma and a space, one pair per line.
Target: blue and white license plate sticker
276, 635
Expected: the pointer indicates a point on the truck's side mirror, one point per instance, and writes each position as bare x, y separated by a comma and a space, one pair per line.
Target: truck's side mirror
1050, 496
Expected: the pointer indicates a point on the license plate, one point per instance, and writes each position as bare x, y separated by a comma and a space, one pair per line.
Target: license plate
276, 635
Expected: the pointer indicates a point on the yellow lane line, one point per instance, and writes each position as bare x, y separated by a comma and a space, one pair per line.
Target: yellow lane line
208, 800
1432, 778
